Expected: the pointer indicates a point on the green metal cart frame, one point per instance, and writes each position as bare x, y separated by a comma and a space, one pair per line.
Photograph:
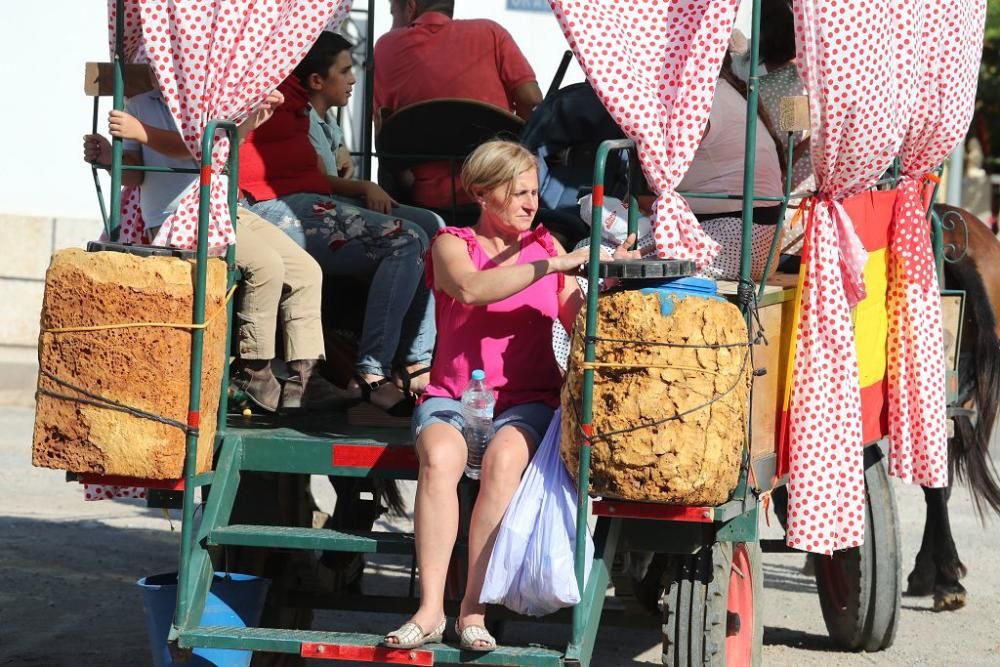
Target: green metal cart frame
336, 448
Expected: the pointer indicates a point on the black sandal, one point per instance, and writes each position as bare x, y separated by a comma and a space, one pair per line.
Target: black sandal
367, 413
406, 377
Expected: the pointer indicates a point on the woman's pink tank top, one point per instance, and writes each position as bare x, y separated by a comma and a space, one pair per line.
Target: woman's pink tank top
511, 340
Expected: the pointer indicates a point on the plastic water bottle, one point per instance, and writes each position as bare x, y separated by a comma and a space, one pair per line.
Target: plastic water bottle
477, 411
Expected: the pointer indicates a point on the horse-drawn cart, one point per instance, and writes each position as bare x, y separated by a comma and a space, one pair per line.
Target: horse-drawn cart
694, 570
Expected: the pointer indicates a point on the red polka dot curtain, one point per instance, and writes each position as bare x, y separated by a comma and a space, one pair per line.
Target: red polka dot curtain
217, 59
883, 79
941, 102
654, 65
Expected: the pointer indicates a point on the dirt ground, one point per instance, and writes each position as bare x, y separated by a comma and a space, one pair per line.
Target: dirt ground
68, 570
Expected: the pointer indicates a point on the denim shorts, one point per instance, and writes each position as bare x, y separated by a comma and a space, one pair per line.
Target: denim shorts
532, 418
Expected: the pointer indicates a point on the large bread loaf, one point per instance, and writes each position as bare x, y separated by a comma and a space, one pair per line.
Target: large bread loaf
702, 393
146, 368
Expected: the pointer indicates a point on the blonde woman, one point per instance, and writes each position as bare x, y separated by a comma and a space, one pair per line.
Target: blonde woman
498, 288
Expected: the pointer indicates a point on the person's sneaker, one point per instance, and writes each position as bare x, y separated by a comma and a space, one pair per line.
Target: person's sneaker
306, 389
255, 379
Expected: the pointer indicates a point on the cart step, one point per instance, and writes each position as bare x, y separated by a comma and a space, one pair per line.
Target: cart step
359, 647
350, 455
312, 538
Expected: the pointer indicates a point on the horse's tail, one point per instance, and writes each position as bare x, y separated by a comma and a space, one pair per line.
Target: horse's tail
979, 372
389, 491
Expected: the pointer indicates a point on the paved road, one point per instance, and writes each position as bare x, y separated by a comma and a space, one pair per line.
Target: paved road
68, 571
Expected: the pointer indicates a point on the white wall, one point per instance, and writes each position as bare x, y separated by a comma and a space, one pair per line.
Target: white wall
43, 48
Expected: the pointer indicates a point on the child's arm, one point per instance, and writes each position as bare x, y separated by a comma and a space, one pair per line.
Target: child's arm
375, 197
169, 143
345, 165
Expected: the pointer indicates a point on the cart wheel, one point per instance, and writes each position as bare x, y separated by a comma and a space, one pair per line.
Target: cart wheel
859, 589
711, 609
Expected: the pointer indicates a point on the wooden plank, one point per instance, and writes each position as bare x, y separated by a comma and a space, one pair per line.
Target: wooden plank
793, 114
99, 79
951, 321
769, 389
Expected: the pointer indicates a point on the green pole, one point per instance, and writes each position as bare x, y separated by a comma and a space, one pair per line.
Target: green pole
366, 104
633, 201
590, 354
184, 592
750, 146
937, 234
937, 240
118, 104
93, 171
234, 186
781, 217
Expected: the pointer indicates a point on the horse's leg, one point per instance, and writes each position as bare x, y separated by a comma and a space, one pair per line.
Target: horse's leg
948, 593
920, 582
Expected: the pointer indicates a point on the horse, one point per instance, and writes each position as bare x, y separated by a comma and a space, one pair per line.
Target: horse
973, 265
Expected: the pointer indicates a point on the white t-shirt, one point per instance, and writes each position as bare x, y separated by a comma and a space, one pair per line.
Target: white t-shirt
160, 192
718, 162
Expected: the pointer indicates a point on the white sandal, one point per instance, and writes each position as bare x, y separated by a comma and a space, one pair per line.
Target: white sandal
470, 634
411, 635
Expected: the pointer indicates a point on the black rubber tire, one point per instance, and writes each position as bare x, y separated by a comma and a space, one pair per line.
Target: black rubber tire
869, 576
695, 602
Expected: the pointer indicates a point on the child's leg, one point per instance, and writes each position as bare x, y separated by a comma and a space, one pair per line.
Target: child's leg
263, 280
429, 221
300, 303
256, 316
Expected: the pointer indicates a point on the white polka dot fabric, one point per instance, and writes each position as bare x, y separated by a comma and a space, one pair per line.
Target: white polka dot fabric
654, 65
947, 67
728, 233
865, 65
219, 59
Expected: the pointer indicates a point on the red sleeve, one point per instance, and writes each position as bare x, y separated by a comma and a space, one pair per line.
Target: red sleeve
511, 63
379, 97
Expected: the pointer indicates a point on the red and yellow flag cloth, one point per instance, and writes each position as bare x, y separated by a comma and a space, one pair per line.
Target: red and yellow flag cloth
897, 324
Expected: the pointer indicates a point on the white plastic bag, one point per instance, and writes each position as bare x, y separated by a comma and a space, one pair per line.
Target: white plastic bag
614, 220
531, 569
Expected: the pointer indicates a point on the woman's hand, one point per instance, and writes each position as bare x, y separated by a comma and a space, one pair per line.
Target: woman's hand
260, 114
377, 199
623, 252
572, 261
263, 111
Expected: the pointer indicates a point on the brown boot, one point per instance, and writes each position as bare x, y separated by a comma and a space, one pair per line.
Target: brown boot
255, 378
306, 389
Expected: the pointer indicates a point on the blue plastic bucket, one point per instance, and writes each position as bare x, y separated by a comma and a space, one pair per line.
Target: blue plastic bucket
674, 289
234, 600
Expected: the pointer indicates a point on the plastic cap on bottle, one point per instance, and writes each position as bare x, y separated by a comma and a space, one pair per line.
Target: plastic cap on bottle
478, 375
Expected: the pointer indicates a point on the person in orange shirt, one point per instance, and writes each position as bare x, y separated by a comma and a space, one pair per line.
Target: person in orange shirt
428, 55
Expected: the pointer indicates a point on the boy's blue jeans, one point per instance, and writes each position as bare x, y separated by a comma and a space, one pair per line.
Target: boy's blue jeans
347, 240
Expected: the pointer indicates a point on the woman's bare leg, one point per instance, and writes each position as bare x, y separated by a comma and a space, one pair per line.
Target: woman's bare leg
442, 452
504, 462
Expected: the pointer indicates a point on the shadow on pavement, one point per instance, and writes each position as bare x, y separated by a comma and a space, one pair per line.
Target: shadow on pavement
799, 640
789, 578
68, 593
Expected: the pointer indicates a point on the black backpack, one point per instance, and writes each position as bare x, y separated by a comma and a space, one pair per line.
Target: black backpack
564, 132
